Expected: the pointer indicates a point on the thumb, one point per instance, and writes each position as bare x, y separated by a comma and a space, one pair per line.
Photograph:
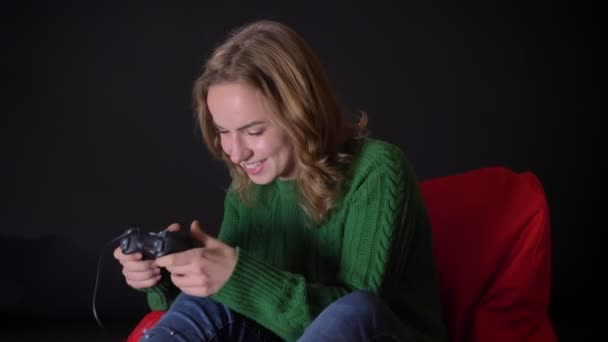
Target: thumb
200, 235
173, 227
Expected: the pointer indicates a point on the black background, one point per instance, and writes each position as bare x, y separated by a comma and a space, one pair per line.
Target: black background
98, 127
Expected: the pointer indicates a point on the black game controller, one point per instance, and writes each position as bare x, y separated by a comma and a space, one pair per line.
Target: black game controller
154, 245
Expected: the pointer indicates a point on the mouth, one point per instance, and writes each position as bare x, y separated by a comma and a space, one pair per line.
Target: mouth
255, 167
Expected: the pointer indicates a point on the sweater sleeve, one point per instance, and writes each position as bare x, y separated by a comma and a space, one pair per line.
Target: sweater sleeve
160, 296
230, 221
285, 302
379, 221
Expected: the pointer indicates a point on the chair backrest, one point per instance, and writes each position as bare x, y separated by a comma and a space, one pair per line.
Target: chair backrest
491, 236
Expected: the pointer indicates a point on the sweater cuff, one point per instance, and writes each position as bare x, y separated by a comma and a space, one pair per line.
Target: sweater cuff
161, 296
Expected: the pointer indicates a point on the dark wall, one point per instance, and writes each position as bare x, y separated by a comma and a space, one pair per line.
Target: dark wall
99, 131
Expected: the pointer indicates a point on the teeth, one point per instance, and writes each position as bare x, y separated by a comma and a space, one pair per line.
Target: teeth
254, 165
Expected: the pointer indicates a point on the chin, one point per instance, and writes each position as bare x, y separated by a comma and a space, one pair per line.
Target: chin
261, 180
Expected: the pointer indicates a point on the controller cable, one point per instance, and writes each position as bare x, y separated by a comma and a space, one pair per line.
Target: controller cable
97, 275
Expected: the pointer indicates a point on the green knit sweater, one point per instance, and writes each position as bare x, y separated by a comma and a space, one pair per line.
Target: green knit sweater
377, 238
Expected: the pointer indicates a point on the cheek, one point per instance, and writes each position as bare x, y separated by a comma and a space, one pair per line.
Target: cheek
274, 144
282, 146
225, 143
288, 153
259, 147
267, 146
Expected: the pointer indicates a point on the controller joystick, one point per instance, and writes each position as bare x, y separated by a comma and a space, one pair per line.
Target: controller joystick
154, 245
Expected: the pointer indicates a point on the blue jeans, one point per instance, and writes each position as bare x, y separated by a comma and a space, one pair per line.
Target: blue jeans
358, 316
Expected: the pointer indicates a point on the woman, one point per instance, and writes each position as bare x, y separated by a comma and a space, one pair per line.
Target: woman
325, 235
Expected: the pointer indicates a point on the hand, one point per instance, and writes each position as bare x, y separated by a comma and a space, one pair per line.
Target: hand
201, 271
139, 273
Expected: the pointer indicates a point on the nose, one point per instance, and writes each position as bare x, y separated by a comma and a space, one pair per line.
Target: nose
239, 151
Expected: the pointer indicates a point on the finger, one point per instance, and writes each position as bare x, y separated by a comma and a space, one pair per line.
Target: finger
200, 235
173, 227
141, 275
182, 281
165, 261
184, 269
137, 266
181, 258
142, 284
120, 256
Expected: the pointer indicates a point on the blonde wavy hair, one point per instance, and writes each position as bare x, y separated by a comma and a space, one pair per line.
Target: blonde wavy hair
294, 89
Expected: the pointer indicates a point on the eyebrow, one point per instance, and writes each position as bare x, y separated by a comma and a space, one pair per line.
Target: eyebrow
253, 123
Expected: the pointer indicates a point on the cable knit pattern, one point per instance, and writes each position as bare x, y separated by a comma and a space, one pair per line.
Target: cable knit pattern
389, 181
377, 238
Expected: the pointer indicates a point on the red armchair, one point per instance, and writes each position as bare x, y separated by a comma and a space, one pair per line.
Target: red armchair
491, 236
492, 245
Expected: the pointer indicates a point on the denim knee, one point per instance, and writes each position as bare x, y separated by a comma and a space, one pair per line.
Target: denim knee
365, 302
193, 318
357, 316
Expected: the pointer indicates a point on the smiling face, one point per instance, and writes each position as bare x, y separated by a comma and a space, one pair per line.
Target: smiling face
247, 135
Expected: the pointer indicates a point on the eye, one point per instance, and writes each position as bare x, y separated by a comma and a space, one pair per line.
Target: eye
222, 132
256, 132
